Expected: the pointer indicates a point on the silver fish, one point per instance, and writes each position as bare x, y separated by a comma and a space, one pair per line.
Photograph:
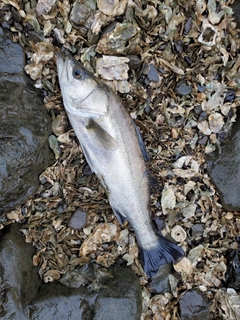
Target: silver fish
115, 151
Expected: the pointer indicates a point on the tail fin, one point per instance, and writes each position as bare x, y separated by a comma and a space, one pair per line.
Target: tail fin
165, 252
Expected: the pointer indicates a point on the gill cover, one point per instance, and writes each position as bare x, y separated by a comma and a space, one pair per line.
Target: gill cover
82, 92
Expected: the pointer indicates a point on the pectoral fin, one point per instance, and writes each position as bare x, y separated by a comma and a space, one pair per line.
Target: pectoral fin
141, 143
100, 138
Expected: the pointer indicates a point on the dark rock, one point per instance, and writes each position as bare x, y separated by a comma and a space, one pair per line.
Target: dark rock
236, 10
24, 296
197, 109
182, 88
200, 88
19, 280
224, 169
178, 46
25, 126
230, 96
233, 270
160, 282
198, 229
203, 116
134, 62
203, 141
120, 298
153, 74
187, 26
194, 306
78, 220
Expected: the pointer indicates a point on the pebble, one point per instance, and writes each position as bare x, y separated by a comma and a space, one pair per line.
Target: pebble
78, 220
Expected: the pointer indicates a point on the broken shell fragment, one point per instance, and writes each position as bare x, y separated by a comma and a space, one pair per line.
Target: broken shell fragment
208, 35
124, 39
112, 68
112, 7
178, 234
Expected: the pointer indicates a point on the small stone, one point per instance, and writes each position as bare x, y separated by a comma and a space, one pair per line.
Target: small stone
203, 141
203, 116
194, 305
153, 74
160, 281
182, 88
78, 220
198, 229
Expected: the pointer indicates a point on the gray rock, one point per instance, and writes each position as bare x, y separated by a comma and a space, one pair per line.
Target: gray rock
160, 282
236, 9
194, 306
119, 298
224, 169
19, 280
182, 88
25, 127
23, 295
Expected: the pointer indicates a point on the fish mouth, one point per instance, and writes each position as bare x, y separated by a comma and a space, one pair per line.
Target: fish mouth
64, 66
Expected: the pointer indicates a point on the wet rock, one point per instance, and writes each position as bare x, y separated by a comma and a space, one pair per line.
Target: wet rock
224, 169
19, 280
78, 220
119, 298
236, 9
160, 282
115, 295
25, 126
233, 270
182, 88
194, 306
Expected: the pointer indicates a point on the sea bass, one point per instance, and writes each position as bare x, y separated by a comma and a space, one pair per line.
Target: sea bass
116, 153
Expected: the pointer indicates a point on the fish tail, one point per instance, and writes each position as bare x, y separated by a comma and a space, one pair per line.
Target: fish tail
164, 252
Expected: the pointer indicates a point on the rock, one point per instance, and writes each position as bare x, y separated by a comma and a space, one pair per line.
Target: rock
182, 88
160, 281
236, 10
119, 298
224, 169
194, 306
78, 220
198, 229
19, 280
153, 74
117, 295
25, 127
233, 270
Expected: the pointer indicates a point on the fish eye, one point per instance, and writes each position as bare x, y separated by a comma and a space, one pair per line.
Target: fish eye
79, 73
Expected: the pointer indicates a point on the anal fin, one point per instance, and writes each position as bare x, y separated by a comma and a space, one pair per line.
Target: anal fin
119, 216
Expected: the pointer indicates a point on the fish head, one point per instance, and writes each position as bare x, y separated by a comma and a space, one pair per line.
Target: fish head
83, 94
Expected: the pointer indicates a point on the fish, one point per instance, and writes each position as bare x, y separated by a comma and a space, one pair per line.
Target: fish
115, 152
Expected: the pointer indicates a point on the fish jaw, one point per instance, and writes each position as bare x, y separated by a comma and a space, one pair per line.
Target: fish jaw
83, 96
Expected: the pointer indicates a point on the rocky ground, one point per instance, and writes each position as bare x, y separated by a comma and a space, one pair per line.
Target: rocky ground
179, 79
